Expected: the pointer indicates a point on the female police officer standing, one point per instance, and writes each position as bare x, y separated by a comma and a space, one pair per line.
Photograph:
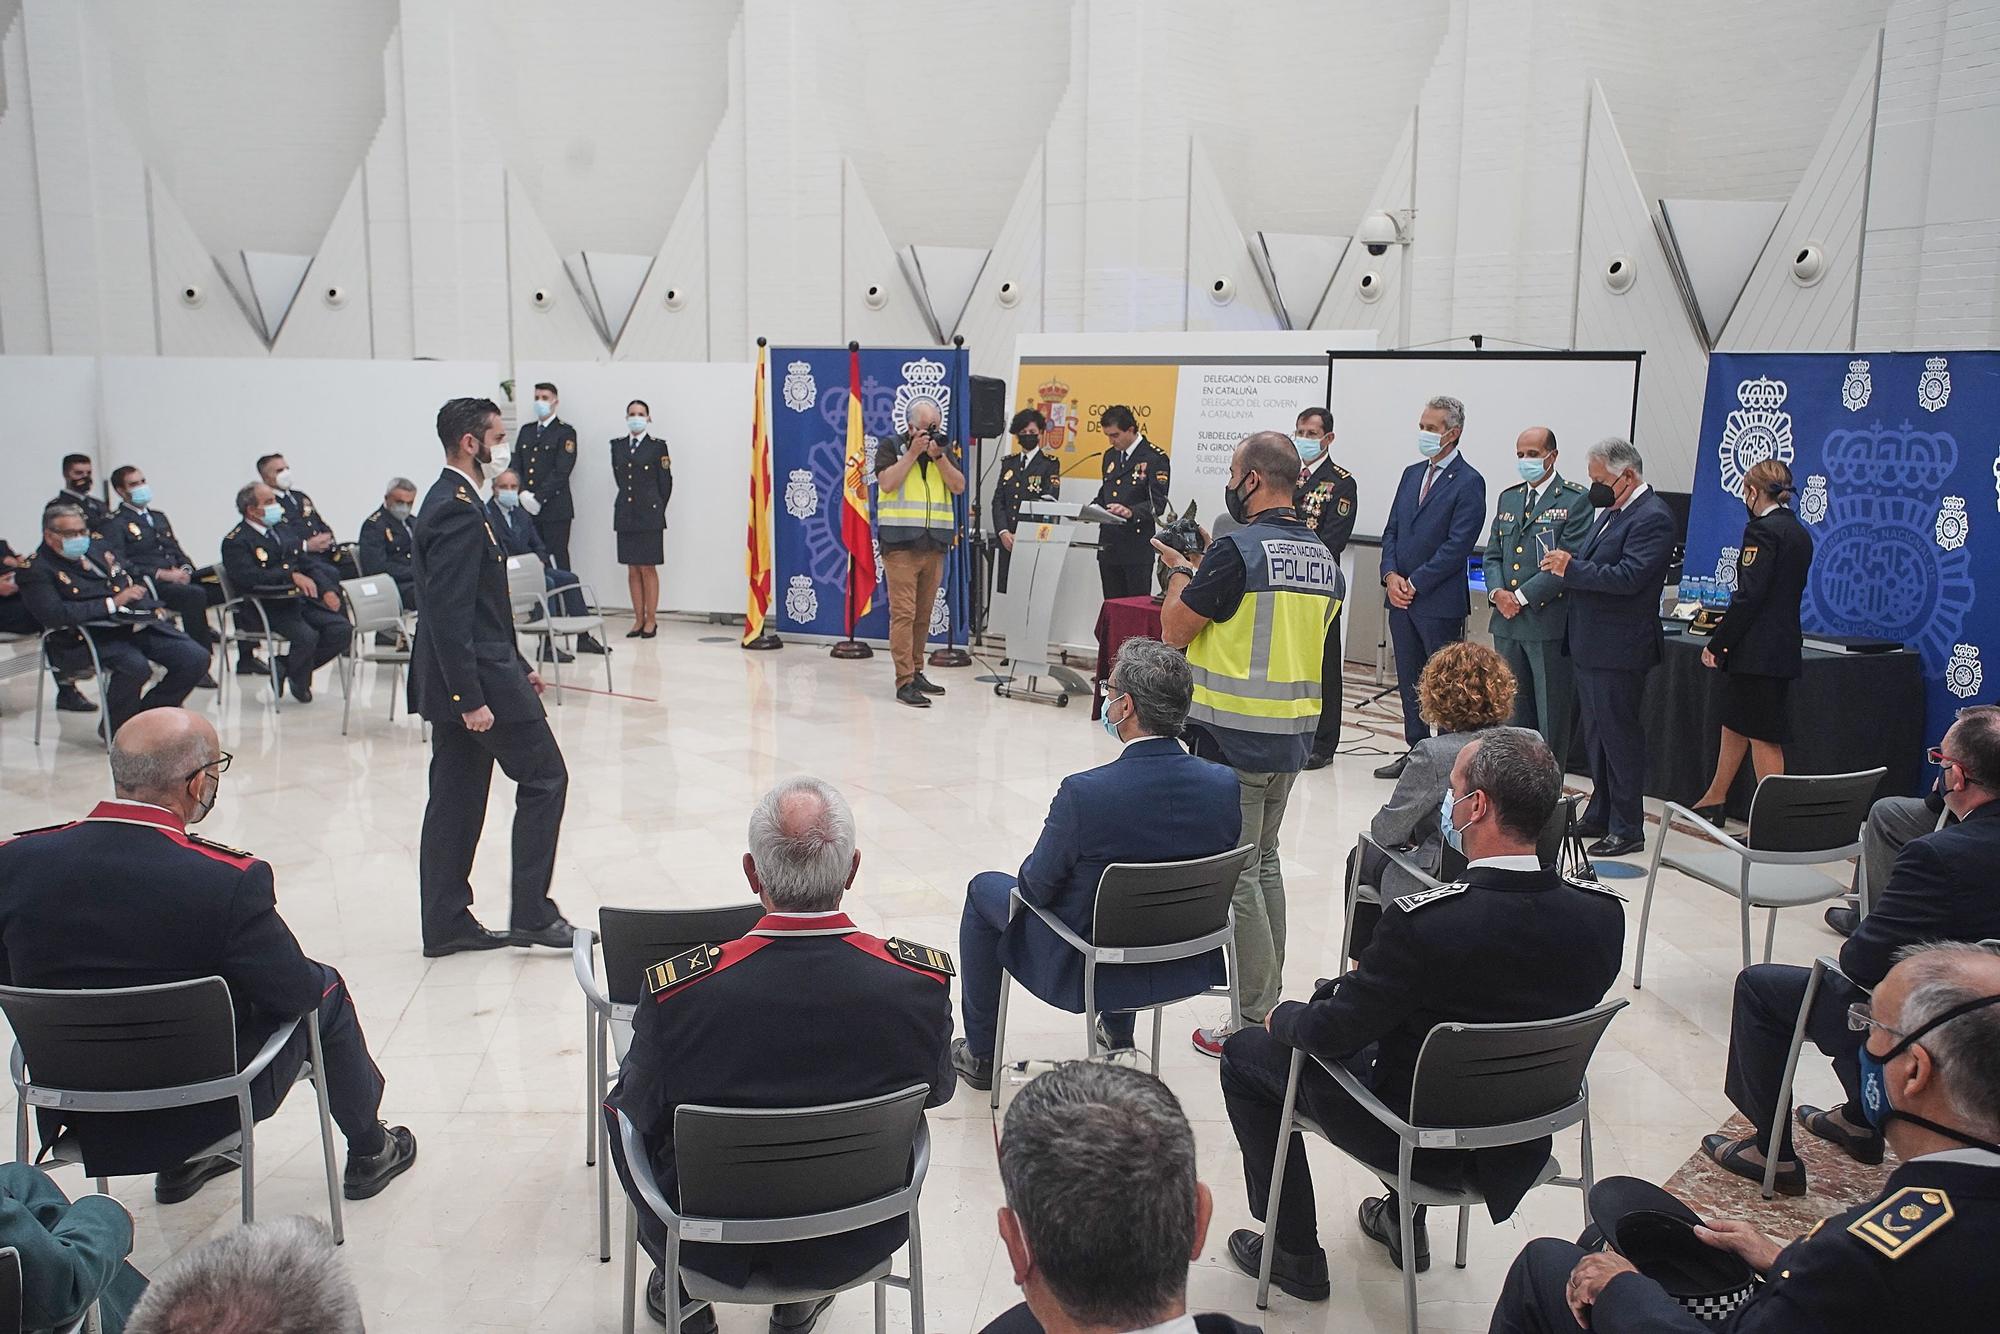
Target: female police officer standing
1758, 643
644, 472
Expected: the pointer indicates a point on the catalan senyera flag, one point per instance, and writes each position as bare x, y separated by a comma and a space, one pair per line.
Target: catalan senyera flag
856, 534
758, 558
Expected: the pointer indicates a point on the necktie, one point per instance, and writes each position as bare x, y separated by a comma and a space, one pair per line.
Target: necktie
1430, 475
1531, 501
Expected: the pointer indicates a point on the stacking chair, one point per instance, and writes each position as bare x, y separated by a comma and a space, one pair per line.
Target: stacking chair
138, 1049
47, 672
231, 629
1476, 1086
11, 1316
1146, 913
374, 605
749, 1177
634, 939
1797, 822
534, 614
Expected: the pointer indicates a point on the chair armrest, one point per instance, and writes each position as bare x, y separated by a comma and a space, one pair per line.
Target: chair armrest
269, 1051
1829, 965
640, 1167
581, 962
1674, 810
1364, 1097
1069, 937
1401, 862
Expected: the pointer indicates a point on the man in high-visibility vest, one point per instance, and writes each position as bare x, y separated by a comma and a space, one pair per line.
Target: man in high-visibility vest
1253, 615
916, 524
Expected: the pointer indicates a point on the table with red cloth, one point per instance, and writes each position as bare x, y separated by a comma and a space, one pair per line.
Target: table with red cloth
1118, 620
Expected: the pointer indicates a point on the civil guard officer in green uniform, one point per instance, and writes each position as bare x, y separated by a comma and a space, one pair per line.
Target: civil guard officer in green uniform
1536, 516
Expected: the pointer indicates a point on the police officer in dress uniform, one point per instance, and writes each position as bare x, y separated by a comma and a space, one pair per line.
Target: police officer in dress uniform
1026, 476
643, 471
519, 537
386, 545
483, 701
544, 456
1918, 1256
144, 539
770, 1021
127, 897
1466, 953
1326, 500
264, 561
79, 489
1135, 489
16, 619
78, 582
1542, 512
323, 557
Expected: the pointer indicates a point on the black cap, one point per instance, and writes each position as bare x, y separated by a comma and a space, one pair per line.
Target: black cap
1655, 1231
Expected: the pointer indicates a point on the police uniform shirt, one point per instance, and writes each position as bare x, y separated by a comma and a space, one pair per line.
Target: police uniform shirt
1760, 634
544, 457
145, 538
465, 655
386, 546
260, 561
1326, 503
95, 512
1137, 479
1024, 479
64, 592
302, 516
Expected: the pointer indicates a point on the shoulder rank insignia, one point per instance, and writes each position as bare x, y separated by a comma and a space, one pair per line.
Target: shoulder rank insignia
1412, 902
570, 444
921, 956
1345, 506
1749, 556
1900, 1223
220, 847
1594, 886
672, 972
133, 527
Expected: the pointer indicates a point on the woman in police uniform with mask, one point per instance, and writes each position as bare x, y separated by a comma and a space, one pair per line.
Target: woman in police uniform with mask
1758, 644
644, 472
1027, 476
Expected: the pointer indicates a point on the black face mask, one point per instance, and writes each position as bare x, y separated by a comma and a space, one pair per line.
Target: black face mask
1602, 496
1030, 442
1237, 500
82, 484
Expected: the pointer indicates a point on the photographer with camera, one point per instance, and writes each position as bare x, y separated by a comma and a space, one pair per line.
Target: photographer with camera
916, 524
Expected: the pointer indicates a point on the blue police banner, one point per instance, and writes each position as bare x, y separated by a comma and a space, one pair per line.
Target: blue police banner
808, 449
1894, 459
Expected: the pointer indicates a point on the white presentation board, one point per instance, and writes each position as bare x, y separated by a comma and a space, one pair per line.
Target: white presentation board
1378, 396
702, 410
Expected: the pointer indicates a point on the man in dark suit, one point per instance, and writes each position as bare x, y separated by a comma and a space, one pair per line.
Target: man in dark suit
127, 897
264, 561
1917, 1256
79, 488
1327, 499
1613, 583
1104, 1210
386, 545
1135, 489
323, 557
544, 456
1447, 955
1154, 803
771, 1020
1941, 888
519, 537
77, 583
144, 539
483, 702
1433, 524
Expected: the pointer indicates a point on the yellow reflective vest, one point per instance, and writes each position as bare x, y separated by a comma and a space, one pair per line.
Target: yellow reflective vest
921, 505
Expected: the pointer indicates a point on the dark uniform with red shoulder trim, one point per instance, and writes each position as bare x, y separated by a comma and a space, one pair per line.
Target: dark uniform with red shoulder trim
802, 1011
126, 897
1919, 1256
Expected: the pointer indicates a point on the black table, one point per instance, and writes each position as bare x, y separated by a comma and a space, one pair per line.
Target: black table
1849, 711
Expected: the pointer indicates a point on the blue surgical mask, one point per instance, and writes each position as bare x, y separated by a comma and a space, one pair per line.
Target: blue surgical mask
1309, 447
1875, 1103
1454, 837
1430, 444
1110, 728
400, 510
142, 495
637, 425
274, 514
543, 407
508, 499
76, 548
1532, 470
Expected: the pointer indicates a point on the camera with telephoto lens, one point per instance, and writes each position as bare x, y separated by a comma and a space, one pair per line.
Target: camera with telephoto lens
1181, 533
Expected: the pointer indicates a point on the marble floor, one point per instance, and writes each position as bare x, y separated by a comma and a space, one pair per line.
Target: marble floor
495, 1228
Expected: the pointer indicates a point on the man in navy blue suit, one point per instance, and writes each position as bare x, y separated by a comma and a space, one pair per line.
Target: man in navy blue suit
1154, 803
1614, 581
519, 537
1433, 525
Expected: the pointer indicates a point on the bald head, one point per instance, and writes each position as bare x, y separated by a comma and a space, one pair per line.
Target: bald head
920, 414
155, 752
1272, 458
802, 856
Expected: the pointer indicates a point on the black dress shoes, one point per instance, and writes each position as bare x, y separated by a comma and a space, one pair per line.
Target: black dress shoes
1300, 1276
799, 1317
550, 653
366, 1175
71, 700
975, 1072
1843, 920
478, 938
589, 644
251, 665
1380, 1221
302, 691
1715, 814
1587, 829
1394, 768
699, 1322
1613, 846
912, 695
928, 686
180, 1183
557, 935
1318, 761
635, 633
207, 682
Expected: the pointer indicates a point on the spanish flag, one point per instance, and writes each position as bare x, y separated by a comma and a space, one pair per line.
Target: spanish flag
758, 559
856, 533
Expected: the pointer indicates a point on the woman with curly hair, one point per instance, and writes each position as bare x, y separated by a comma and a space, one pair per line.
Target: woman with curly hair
1465, 688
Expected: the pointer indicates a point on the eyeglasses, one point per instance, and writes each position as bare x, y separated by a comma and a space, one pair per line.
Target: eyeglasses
1861, 1018
1937, 756
220, 764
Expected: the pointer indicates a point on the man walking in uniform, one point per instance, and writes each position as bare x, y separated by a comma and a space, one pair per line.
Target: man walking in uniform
544, 456
1253, 621
1135, 489
1542, 513
1326, 503
483, 703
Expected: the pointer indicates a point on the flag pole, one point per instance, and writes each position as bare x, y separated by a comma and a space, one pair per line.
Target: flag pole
951, 655
850, 647
757, 633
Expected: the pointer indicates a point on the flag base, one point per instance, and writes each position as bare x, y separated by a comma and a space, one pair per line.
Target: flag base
852, 648
949, 657
763, 643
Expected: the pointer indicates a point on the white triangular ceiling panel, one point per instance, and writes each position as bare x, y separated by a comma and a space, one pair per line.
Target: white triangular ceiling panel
615, 280
579, 278
1298, 268
1716, 242
274, 283
944, 276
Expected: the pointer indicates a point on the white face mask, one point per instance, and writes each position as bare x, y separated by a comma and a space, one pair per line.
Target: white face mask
503, 455
283, 481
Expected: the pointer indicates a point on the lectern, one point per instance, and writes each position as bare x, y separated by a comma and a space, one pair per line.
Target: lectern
1045, 534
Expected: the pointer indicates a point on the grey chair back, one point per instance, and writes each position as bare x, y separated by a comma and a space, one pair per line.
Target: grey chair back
109, 1041
1141, 904
1552, 845
1501, 1074
525, 583
1810, 812
783, 1163
375, 602
634, 939
10, 1290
